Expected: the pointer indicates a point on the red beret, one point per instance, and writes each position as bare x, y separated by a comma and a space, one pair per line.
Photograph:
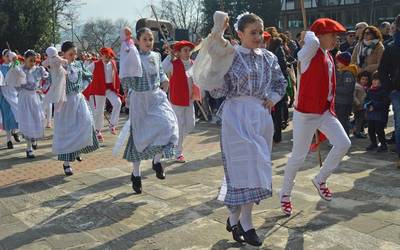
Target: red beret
179, 45
107, 52
20, 58
323, 26
266, 36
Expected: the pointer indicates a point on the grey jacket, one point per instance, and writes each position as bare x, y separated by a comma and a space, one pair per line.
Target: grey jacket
345, 84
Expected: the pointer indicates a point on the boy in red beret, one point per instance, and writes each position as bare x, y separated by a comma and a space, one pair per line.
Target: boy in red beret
314, 109
181, 91
105, 84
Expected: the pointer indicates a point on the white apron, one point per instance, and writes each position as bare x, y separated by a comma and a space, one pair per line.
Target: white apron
73, 126
30, 115
247, 131
153, 120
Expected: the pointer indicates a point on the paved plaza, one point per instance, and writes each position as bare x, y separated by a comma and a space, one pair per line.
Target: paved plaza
95, 208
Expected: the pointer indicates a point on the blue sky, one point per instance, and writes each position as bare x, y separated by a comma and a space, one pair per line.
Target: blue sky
114, 9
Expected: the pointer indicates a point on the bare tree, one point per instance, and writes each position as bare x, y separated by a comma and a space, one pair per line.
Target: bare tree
184, 14
98, 33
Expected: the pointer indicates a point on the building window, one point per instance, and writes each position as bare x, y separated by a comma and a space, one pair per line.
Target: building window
323, 3
287, 4
350, 1
295, 24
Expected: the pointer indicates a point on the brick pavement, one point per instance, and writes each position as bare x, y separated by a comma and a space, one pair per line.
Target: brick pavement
95, 208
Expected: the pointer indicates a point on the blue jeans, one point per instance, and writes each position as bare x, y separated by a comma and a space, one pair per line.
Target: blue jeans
395, 97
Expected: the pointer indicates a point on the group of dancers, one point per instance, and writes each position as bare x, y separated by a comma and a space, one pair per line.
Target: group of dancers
160, 97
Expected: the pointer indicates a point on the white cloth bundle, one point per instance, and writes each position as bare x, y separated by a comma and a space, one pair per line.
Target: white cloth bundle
122, 138
130, 64
15, 76
215, 57
57, 91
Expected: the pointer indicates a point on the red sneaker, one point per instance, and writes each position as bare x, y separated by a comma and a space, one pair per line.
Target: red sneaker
286, 206
100, 137
323, 190
113, 130
180, 159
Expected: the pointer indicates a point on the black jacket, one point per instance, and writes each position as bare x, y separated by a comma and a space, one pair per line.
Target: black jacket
378, 99
389, 68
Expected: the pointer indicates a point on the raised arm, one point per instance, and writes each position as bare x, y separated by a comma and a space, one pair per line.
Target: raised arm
308, 51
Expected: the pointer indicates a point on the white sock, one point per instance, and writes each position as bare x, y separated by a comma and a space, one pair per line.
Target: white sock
157, 158
8, 136
136, 169
234, 217
28, 144
245, 217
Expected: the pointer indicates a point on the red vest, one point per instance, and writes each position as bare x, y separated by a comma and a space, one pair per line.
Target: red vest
98, 85
314, 86
179, 85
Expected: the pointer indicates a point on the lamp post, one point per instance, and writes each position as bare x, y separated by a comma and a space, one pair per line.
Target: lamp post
53, 7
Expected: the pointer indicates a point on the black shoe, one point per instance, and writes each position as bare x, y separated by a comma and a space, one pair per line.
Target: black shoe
382, 148
250, 237
79, 158
372, 147
360, 136
34, 144
159, 170
136, 183
392, 139
235, 231
16, 137
284, 125
29, 154
67, 170
10, 145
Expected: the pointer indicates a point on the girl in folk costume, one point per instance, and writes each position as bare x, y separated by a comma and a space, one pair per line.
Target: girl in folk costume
74, 132
253, 83
105, 84
180, 91
55, 93
8, 100
314, 109
154, 127
30, 114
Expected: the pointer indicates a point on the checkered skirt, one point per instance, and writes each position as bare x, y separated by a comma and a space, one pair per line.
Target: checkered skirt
235, 197
72, 156
132, 155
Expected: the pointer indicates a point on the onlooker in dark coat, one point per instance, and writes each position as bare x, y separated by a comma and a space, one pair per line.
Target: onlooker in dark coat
376, 104
389, 72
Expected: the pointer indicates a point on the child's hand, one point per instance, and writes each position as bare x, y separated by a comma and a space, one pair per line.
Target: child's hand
268, 104
165, 86
371, 108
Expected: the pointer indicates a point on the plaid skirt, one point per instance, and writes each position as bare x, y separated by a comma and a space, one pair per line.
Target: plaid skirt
72, 156
132, 155
127, 83
233, 198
